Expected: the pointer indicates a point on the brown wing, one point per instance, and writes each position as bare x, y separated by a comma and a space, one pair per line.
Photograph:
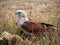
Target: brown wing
32, 26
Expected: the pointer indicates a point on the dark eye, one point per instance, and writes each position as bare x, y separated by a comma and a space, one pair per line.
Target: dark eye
19, 12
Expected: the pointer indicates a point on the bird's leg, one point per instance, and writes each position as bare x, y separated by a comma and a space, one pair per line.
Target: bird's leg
26, 34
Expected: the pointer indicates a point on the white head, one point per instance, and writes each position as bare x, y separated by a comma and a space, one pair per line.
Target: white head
21, 13
22, 17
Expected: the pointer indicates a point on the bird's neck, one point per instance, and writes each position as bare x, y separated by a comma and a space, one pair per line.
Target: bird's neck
21, 20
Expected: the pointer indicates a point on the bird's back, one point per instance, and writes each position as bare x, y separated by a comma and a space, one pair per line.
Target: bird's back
31, 25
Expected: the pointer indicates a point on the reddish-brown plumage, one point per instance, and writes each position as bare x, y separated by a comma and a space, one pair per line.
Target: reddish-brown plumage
33, 26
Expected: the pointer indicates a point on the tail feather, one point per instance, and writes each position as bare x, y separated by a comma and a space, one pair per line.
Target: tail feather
47, 24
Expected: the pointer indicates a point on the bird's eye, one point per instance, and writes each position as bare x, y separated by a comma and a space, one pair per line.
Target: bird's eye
19, 12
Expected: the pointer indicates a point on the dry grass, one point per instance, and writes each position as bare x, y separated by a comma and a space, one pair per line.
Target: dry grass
43, 11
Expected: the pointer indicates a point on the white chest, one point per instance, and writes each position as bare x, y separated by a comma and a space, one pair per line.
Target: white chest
20, 21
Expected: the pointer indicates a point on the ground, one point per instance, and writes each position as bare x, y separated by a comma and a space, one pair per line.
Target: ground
47, 11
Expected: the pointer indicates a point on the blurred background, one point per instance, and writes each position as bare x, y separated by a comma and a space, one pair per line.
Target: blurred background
47, 11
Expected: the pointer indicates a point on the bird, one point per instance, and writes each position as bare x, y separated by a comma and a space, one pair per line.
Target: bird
29, 25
